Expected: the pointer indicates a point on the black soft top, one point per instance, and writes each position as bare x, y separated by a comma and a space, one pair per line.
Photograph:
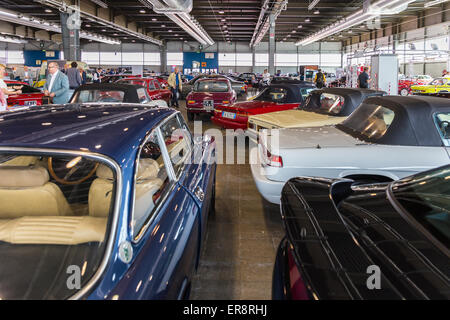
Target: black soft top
293, 90
413, 122
130, 90
353, 97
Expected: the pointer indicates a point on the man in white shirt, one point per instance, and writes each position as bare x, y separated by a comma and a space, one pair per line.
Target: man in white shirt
266, 78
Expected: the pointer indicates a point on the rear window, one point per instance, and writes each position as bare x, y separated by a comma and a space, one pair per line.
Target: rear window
277, 95
370, 121
331, 103
135, 82
211, 86
54, 223
86, 96
306, 91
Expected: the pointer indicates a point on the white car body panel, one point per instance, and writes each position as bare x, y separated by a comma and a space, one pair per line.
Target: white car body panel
331, 153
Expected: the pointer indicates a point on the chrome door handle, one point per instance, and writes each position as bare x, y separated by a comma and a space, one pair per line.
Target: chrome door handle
199, 194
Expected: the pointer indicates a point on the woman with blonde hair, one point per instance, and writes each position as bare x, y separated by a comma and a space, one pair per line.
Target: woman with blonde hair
4, 89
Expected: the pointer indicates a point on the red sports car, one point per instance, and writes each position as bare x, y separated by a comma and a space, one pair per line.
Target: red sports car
163, 82
153, 88
276, 97
29, 97
207, 94
404, 85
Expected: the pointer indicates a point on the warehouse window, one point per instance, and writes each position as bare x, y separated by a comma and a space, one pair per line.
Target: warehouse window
111, 58
174, 58
285, 59
261, 59
152, 58
15, 57
330, 59
244, 59
308, 59
133, 58
227, 59
90, 57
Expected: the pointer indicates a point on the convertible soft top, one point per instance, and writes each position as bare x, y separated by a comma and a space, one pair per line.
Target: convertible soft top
413, 123
294, 94
353, 97
130, 90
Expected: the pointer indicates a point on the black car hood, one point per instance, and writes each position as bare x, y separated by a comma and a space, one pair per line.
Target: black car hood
337, 232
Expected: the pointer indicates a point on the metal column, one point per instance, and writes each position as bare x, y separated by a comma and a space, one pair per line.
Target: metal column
70, 29
163, 54
272, 44
253, 59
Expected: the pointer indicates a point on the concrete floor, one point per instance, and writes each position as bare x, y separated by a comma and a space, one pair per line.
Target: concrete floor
242, 237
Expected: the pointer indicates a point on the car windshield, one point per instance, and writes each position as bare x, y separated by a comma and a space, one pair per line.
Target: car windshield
277, 95
86, 96
211, 86
439, 81
369, 121
131, 81
426, 197
54, 223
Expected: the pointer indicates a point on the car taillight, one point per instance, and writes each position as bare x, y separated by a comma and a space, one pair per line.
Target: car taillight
298, 288
270, 159
225, 102
191, 101
242, 114
218, 110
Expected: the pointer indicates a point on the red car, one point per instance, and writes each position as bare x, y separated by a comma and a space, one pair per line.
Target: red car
154, 89
162, 82
29, 97
276, 97
207, 94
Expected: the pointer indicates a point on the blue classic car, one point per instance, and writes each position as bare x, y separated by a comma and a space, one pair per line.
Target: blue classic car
101, 202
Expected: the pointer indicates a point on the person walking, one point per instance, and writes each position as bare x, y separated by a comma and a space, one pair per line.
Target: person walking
27, 76
96, 75
4, 91
176, 86
320, 79
57, 84
364, 79
73, 74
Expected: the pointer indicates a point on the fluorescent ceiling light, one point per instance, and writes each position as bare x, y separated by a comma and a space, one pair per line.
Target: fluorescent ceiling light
433, 3
313, 4
316, 12
263, 24
378, 8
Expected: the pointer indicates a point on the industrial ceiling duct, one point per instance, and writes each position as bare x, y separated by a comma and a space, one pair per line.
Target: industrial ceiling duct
170, 6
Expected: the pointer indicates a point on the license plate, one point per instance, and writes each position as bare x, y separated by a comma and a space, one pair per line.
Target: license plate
30, 103
229, 115
208, 105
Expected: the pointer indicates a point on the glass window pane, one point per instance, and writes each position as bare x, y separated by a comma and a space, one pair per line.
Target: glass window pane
132, 58
174, 58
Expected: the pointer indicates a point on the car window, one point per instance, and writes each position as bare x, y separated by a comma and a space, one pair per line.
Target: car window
151, 183
331, 103
370, 120
442, 121
54, 219
178, 143
132, 81
142, 95
305, 91
277, 95
85, 96
211, 86
439, 82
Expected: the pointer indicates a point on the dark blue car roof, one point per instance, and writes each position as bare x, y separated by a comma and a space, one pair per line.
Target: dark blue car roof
112, 130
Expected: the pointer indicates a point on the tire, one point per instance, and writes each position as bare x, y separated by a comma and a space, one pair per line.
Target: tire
404, 92
190, 116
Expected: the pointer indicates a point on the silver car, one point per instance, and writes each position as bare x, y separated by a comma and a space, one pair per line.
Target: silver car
238, 86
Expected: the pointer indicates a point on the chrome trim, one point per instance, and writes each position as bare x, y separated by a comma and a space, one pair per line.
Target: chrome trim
113, 232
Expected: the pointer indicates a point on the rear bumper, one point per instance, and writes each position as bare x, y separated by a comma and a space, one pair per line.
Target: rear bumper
198, 110
228, 123
269, 190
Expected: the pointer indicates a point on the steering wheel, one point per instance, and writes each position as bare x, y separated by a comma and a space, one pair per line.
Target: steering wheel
60, 167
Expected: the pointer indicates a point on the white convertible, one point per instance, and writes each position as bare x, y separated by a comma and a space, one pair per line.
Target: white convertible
385, 139
327, 106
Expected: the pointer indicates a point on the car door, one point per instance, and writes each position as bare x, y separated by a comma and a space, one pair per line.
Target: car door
164, 226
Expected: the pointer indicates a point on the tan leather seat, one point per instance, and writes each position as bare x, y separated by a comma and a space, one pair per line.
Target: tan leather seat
21, 161
147, 183
26, 191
